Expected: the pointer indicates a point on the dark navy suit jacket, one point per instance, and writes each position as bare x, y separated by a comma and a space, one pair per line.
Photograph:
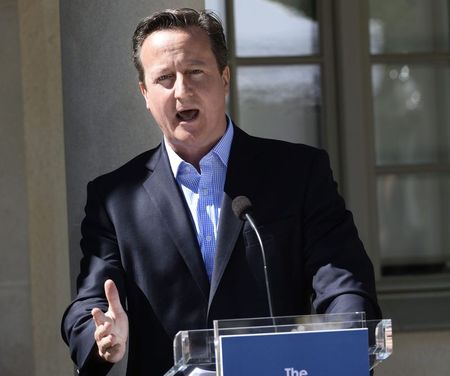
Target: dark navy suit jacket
138, 232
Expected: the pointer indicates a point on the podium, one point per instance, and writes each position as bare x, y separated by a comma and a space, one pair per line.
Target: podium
330, 344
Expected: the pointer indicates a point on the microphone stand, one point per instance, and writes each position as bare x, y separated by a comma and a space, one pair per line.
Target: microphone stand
263, 252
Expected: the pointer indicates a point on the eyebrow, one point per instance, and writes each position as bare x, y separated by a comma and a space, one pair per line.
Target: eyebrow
162, 69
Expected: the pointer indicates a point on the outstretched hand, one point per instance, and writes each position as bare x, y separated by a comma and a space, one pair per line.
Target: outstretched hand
111, 327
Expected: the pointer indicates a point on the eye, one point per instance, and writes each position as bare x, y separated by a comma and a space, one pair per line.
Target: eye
196, 71
163, 78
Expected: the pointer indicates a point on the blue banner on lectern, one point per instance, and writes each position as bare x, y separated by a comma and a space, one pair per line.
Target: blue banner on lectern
320, 353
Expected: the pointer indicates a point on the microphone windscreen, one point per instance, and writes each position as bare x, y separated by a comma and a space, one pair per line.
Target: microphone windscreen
241, 205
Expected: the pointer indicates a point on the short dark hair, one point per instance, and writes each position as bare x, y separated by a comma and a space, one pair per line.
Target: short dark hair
182, 18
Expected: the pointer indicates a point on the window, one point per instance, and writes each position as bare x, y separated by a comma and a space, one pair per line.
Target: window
410, 65
283, 68
277, 59
369, 80
411, 96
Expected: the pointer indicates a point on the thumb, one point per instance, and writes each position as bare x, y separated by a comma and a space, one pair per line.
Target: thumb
112, 295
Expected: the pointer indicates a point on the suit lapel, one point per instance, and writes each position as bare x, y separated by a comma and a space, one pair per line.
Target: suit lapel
169, 204
227, 235
239, 181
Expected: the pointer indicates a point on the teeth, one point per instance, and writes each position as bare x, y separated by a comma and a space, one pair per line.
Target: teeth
187, 115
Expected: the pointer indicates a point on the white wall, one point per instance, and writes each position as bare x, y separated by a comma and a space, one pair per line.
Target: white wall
15, 324
102, 104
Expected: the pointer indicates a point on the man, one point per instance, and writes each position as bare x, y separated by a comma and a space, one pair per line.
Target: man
162, 250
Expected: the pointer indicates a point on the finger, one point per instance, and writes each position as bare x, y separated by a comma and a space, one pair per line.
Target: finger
103, 331
105, 344
113, 354
112, 295
98, 316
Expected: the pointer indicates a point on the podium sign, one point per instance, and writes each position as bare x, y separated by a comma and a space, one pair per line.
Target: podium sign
343, 344
315, 353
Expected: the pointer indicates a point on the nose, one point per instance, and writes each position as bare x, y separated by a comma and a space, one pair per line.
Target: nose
182, 88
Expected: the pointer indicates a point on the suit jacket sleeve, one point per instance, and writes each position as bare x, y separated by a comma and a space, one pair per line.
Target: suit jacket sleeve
101, 261
336, 262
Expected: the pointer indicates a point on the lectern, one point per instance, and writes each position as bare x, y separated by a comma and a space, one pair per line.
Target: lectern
310, 345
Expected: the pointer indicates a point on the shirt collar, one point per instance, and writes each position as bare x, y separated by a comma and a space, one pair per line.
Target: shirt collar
221, 149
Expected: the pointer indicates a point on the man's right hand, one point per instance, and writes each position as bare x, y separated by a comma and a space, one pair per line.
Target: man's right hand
111, 327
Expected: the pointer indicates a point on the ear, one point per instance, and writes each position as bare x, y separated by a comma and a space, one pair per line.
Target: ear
144, 93
226, 79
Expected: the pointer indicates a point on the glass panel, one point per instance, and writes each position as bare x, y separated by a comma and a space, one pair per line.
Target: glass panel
412, 113
414, 221
276, 28
218, 7
281, 102
409, 26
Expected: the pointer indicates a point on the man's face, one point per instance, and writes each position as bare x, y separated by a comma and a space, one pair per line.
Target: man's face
184, 89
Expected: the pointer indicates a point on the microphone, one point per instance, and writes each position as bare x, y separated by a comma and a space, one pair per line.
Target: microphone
242, 206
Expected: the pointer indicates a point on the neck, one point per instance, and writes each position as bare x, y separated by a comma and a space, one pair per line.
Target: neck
193, 155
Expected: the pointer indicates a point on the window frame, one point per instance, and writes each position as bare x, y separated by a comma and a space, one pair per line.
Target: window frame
398, 295
328, 131
347, 133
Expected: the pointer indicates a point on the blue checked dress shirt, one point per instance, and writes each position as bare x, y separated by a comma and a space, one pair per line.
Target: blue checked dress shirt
204, 191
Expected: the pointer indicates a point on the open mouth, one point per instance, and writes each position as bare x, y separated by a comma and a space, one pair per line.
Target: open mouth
187, 115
